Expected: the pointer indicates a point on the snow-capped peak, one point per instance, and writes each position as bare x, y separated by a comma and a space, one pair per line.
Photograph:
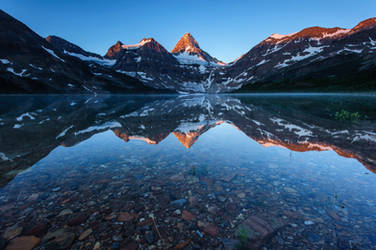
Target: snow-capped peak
279, 36
316, 33
187, 43
137, 45
187, 51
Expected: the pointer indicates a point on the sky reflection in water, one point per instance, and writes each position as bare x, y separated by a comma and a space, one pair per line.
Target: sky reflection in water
275, 163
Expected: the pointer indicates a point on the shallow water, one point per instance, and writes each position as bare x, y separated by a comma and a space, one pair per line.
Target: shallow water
188, 172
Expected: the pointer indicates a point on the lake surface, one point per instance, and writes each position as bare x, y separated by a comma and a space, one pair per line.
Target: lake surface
188, 172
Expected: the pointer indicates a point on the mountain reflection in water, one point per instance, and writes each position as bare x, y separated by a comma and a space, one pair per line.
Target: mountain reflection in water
33, 127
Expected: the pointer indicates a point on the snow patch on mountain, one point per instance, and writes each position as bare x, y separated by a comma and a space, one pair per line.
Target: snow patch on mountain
337, 33
4, 61
279, 36
3, 157
144, 76
202, 69
308, 52
262, 62
358, 51
187, 127
27, 114
192, 87
133, 74
63, 133
17, 125
105, 126
366, 136
105, 62
51, 52
11, 70
35, 67
292, 127
137, 45
187, 58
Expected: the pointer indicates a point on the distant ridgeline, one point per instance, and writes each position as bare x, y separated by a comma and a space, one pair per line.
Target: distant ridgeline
313, 59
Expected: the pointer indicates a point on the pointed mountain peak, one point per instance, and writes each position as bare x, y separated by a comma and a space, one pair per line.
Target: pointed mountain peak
187, 51
148, 40
114, 50
187, 43
187, 140
188, 35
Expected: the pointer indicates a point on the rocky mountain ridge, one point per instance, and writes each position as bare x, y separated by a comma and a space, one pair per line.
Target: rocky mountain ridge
32, 64
313, 59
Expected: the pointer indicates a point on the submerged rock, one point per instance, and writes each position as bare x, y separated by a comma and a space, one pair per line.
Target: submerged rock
183, 244
23, 243
187, 215
85, 234
37, 230
65, 212
125, 216
255, 230
208, 228
78, 219
211, 229
178, 203
59, 239
308, 222
97, 246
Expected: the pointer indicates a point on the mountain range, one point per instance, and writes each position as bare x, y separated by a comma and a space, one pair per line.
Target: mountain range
313, 59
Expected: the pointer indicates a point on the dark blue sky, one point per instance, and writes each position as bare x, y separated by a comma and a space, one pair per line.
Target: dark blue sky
225, 29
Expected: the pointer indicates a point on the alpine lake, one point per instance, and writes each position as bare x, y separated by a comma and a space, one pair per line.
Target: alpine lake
276, 171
